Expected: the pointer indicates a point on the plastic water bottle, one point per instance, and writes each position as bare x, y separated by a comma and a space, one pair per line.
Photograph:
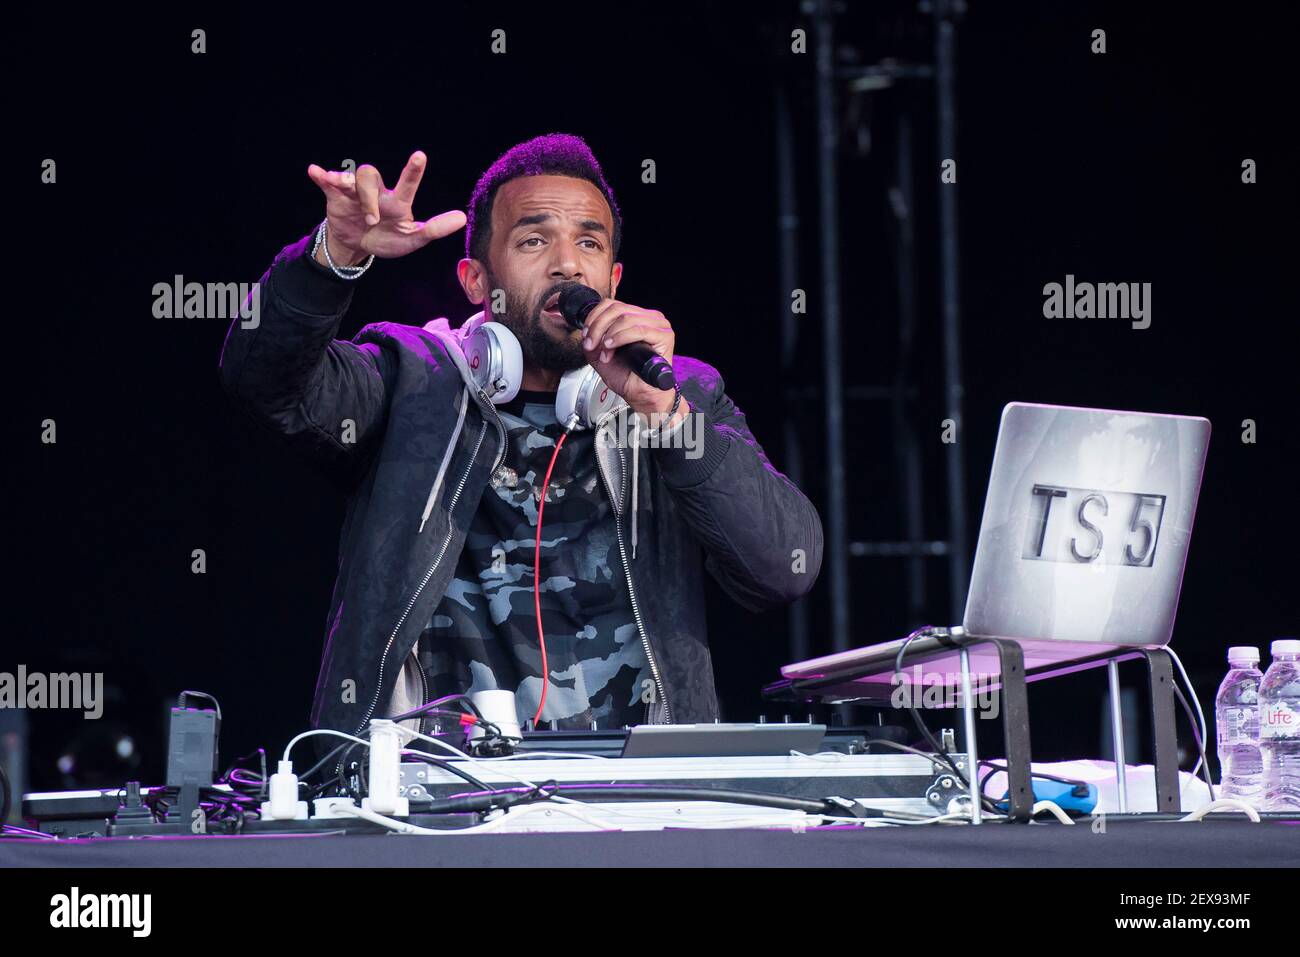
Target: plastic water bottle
1236, 718
1279, 727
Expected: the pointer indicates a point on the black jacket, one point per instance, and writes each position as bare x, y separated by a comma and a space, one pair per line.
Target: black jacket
395, 416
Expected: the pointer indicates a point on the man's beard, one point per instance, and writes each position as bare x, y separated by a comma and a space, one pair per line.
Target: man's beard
540, 347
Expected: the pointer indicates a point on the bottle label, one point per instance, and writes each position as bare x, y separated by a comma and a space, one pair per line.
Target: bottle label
1277, 720
1232, 730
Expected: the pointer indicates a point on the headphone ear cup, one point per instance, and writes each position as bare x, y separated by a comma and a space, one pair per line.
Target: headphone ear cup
583, 393
496, 361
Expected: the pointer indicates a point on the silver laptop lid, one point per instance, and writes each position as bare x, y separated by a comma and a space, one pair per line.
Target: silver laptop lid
1086, 525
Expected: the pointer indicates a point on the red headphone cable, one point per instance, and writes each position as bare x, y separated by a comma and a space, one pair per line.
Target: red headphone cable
537, 581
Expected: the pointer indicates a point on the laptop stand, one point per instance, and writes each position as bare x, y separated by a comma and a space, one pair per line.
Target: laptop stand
937, 643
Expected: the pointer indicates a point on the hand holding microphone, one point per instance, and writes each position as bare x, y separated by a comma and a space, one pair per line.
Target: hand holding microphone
631, 347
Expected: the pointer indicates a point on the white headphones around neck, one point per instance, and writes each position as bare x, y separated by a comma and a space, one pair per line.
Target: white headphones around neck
497, 364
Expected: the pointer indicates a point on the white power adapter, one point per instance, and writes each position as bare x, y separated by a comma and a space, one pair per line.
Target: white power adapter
325, 808
497, 707
284, 804
385, 770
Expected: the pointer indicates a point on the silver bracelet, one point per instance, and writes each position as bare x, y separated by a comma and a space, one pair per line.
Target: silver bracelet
676, 428
669, 417
343, 272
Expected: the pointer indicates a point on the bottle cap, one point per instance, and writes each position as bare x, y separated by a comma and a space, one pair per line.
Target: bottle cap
1285, 646
1243, 653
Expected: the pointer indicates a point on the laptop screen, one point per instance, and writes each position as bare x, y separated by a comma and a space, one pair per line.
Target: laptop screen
1086, 525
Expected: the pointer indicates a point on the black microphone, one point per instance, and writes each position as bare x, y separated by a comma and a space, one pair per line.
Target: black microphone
576, 303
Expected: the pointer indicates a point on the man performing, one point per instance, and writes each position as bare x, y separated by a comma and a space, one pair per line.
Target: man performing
446, 585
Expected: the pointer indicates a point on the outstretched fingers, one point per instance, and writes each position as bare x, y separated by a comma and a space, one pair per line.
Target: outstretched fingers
443, 224
409, 181
331, 179
369, 187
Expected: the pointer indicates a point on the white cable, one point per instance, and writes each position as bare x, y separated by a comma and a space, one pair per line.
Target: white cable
1243, 806
1054, 808
1205, 734
583, 814
963, 816
402, 827
307, 734
831, 756
424, 737
897, 749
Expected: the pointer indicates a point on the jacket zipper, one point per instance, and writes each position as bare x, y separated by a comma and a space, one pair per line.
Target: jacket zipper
627, 569
460, 487
424, 685
501, 427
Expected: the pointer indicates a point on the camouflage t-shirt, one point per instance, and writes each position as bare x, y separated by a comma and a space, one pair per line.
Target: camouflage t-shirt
483, 634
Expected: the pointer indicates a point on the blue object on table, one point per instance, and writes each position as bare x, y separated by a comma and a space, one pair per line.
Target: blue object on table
1081, 798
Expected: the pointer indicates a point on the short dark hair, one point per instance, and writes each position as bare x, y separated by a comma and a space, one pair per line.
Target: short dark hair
556, 154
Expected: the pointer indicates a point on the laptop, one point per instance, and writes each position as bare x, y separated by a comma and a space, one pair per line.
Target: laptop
1086, 528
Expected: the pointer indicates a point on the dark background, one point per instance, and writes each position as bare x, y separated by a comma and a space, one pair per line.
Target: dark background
1117, 167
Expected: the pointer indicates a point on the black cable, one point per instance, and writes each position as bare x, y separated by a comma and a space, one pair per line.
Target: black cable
995, 768
199, 694
905, 749
1196, 736
348, 746
321, 788
985, 802
657, 792
911, 705
438, 703
325, 760
217, 804
345, 777
235, 766
666, 793
450, 769
220, 808
221, 793
636, 792
490, 800
237, 783
829, 807
491, 729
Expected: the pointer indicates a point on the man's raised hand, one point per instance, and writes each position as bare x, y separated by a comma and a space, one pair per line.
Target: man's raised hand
365, 218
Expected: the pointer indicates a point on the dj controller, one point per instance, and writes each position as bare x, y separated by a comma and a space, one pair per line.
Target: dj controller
644, 778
